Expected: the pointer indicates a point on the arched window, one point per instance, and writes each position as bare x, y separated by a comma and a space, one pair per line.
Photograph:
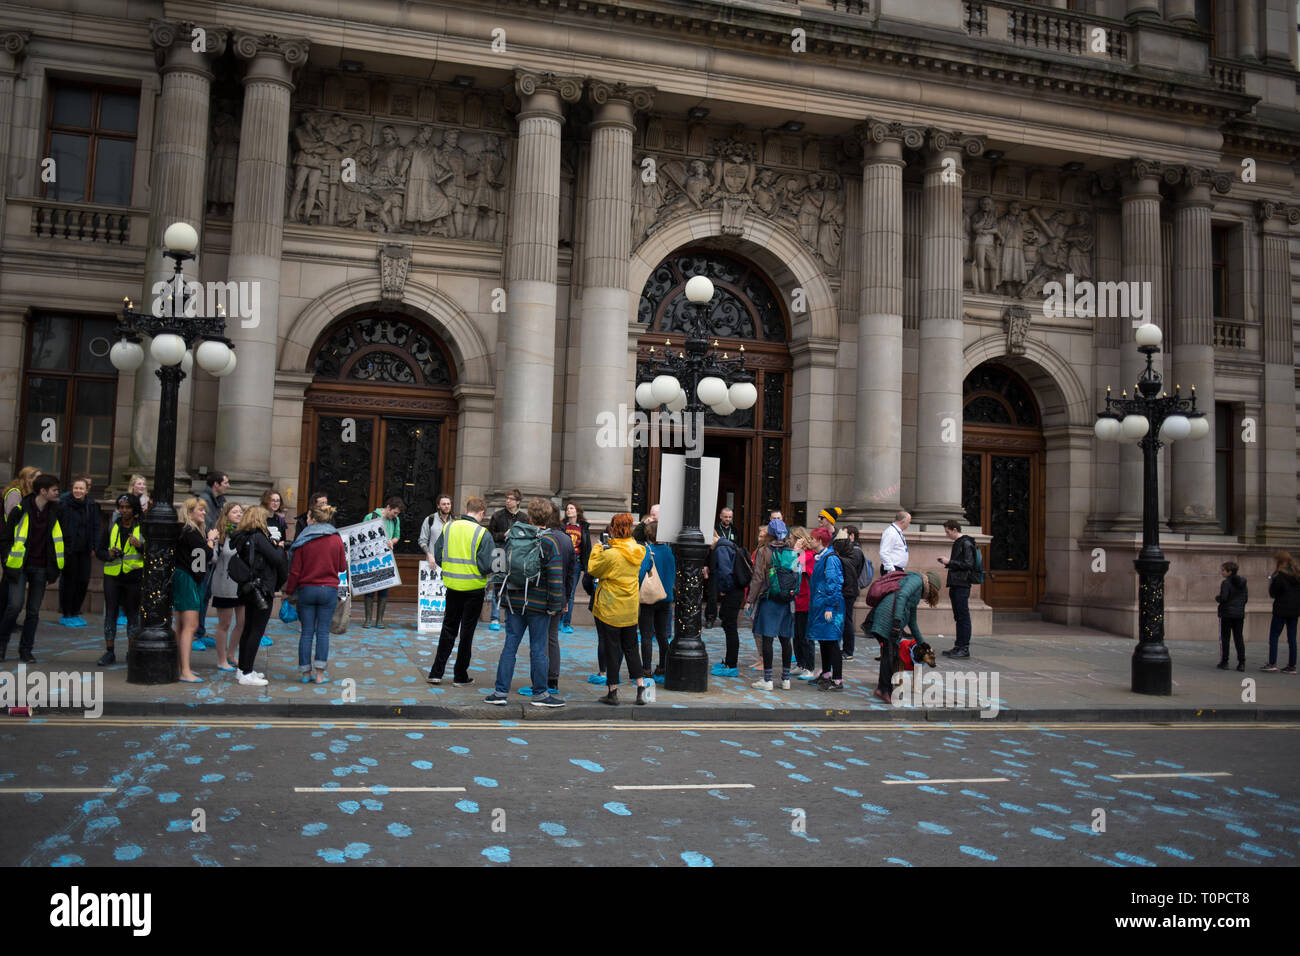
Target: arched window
994, 395
744, 305
385, 349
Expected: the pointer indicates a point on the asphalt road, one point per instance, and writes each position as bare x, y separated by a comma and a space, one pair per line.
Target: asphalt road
332, 793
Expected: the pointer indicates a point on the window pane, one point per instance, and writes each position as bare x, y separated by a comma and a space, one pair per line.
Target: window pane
52, 342
92, 431
46, 399
1222, 480
72, 106
117, 111
114, 159
69, 153
97, 338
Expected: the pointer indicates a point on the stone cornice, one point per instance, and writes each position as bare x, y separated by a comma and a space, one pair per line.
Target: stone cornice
567, 88
166, 36
251, 45
640, 98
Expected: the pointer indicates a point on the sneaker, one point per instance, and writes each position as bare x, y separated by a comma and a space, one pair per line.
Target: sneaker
27, 658
1241, 665
810, 675
550, 700
848, 657
1269, 668
957, 652
834, 688
463, 683
494, 625
1289, 669
433, 680
252, 679
761, 685
494, 698
785, 684
108, 658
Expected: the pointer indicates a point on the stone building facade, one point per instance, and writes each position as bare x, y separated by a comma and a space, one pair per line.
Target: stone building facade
459, 233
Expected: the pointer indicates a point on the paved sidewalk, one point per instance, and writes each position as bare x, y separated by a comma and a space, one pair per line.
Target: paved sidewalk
1043, 671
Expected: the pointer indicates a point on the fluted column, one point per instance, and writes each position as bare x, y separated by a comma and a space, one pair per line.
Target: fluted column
13, 43
525, 445
1277, 502
939, 378
606, 249
1180, 11
1247, 30
12, 321
1192, 333
1140, 243
244, 411
1143, 9
177, 178
877, 467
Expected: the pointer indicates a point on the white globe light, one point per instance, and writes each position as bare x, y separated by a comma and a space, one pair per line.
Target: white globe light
665, 389
1175, 428
699, 289
1200, 427
212, 356
711, 390
1148, 334
187, 362
743, 395
167, 349
678, 403
1107, 429
126, 356
229, 367
180, 237
1135, 426
645, 395
723, 408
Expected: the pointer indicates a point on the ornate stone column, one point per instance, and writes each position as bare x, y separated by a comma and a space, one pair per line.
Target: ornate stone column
939, 373
525, 444
12, 321
1277, 511
12, 45
606, 249
877, 466
1140, 242
1180, 11
1143, 9
177, 177
1192, 334
1247, 30
247, 397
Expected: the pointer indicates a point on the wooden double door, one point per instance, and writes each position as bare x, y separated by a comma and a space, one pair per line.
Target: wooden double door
1004, 495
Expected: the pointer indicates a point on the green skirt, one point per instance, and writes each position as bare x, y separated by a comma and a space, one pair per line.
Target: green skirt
186, 595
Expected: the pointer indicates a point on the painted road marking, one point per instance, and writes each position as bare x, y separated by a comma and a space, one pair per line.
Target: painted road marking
58, 789
379, 787
1144, 776
689, 786
952, 780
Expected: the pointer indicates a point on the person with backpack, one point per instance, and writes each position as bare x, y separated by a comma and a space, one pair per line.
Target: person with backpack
723, 529
731, 568
391, 515
569, 562
777, 570
852, 561
894, 598
1284, 589
500, 526
805, 651
31, 539
618, 564
433, 526
826, 609
1232, 614
653, 621
533, 593
965, 568
464, 551
267, 570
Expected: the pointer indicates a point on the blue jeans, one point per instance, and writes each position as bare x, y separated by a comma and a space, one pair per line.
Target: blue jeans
961, 614
567, 616
1274, 632
537, 624
496, 601
31, 581
316, 604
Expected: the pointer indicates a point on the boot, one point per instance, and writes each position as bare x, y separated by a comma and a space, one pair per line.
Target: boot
640, 694
381, 603
611, 696
370, 609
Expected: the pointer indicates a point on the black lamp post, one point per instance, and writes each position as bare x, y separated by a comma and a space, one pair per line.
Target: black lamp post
174, 328
1151, 417
689, 382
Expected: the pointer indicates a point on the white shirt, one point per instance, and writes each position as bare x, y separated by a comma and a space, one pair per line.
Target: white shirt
893, 549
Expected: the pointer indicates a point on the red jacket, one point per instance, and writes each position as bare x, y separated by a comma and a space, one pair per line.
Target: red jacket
317, 563
804, 596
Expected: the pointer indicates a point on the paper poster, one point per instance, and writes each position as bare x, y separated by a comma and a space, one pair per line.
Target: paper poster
433, 600
371, 566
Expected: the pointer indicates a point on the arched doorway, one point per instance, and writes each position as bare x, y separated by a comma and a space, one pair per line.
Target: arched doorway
379, 420
1004, 483
753, 446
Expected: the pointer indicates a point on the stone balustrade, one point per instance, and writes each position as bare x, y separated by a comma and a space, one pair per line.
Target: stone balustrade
85, 222
1229, 335
1227, 77
1048, 29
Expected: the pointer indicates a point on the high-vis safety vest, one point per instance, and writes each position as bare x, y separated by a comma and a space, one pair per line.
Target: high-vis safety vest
459, 569
131, 559
18, 553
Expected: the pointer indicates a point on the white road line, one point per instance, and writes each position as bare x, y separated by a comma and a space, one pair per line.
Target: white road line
689, 786
380, 788
951, 780
1141, 776
58, 789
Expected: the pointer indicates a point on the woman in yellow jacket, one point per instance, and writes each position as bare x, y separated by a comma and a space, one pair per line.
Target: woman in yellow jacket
617, 607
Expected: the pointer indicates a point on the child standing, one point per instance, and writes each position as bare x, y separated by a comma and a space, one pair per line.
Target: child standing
1232, 614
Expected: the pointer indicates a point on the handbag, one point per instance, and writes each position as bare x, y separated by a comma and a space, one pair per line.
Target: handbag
652, 588
342, 613
288, 613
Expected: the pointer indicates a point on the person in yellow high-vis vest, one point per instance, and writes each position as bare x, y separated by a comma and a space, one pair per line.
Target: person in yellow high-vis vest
464, 552
121, 548
31, 541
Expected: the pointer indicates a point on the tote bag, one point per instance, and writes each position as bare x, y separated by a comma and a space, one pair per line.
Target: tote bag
652, 589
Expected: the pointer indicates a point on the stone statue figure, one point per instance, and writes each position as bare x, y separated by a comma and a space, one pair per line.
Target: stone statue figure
389, 162
810, 209
489, 190
223, 164
647, 196
830, 230
984, 232
427, 204
459, 188
1011, 230
1080, 240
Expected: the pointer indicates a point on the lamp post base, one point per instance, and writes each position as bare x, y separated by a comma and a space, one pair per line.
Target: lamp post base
152, 657
688, 658
1153, 670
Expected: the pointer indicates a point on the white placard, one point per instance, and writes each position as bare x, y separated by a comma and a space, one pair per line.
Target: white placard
433, 600
371, 566
672, 491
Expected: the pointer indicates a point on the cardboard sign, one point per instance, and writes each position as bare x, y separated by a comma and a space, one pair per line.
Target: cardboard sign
371, 565
433, 600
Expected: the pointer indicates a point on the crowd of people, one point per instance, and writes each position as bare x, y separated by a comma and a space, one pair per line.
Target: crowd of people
800, 587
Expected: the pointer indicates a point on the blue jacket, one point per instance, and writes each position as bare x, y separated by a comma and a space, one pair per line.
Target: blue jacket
825, 593
665, 563
722, 566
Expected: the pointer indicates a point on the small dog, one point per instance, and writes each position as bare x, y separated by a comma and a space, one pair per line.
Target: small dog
909, 653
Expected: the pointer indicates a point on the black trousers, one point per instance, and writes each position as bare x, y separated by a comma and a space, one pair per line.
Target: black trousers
804, 651
459, 618
832, 659
849, 630
74, 582
729, 608
121, 593
654, 628
1234, 629
619, 642
250, 638
785, 654
886, 681
710, 599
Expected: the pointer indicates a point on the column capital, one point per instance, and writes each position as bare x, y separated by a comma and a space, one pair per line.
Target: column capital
1196, 181
567, 88
13, 44
186, 45
874, 132
1138, 171
602, 92
1277, 215
271, 57
940, 140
